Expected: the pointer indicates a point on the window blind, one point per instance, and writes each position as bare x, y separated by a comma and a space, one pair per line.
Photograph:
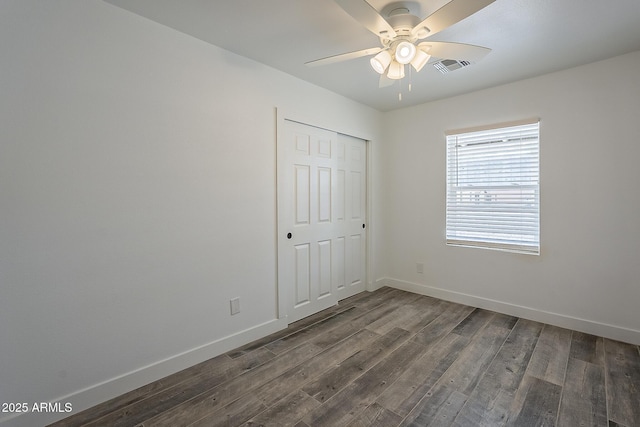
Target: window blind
493, 192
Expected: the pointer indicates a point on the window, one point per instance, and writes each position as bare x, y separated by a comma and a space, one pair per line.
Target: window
493, 191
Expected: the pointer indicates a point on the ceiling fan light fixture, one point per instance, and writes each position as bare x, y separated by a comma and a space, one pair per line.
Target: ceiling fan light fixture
396, 71
405, 52
381, 61
420, 60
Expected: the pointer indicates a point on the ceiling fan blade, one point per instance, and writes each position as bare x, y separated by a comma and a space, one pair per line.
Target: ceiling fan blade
368, 16
343, 57
449, 14
459, 51
385, 81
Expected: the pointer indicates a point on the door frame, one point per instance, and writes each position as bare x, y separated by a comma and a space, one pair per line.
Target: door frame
281, 116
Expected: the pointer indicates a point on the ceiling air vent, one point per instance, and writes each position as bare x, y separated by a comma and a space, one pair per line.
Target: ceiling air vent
447, 65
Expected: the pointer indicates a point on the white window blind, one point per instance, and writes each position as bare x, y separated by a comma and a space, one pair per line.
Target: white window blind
493, 192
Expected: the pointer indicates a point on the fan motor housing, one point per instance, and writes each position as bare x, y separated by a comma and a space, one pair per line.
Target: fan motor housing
403, 23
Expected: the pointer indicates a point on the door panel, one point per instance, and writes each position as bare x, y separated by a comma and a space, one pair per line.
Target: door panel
356, 252
324, 194
302, 194
356, 196
339, 272
324, 268
339, 196
321, 210
302, 274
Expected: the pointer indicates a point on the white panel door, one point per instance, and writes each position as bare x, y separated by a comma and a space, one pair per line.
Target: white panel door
321, 212
354, 169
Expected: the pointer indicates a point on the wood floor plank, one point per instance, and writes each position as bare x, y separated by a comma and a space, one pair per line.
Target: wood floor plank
347, 328
622, 368
376, 416
359, 322
222, 363
505, 320
293, 340
447, 413
405, 393
348, 370
428, 310
372, 299
583, 396
467, 370
298, 376
367, 296
233, 414
535, 404
347, 322
211, 376
366, 299
411, 316
615, 424
586, 347
394, 319
292, 329
549, 359
491, 400
473, 322
382, 297
211, 400
287, 412
444, 405
347, 404
443, 324
462, 375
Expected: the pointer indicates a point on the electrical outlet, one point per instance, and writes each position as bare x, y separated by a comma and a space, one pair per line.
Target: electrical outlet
235, 306
420, 267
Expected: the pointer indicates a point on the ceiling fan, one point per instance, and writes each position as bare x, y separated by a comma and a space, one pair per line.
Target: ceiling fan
400, 34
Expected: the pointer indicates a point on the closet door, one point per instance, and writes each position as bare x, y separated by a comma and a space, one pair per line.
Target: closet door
321, 212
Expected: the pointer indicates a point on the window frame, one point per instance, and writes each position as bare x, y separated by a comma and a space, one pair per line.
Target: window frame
500, 165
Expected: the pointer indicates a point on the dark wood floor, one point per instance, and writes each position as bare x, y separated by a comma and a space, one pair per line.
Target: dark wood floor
392, 358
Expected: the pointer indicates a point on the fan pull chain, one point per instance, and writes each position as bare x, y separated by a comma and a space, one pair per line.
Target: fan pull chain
410, 75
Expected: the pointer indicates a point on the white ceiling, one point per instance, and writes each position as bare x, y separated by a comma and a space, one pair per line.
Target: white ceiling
527, 38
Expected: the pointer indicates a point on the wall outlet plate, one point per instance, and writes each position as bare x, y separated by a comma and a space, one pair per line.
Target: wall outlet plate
235, 306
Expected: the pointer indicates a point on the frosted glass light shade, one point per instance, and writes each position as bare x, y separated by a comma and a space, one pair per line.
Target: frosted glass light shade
405, 52
420, 60
381, 61
396, 71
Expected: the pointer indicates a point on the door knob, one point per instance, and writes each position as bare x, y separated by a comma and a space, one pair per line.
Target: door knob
289, 235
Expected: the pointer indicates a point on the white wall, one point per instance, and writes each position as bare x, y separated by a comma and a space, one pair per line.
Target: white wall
137, 194
588, 274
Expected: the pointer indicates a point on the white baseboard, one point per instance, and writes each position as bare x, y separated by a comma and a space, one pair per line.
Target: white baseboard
98, 393
374, 286
618, 333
